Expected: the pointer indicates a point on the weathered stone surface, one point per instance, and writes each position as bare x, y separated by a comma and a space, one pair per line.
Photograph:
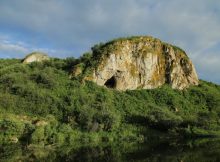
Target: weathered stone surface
14, 139
142, 63
35, 57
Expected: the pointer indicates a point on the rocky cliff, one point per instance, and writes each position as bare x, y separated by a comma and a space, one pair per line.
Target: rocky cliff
35, 57
140, 63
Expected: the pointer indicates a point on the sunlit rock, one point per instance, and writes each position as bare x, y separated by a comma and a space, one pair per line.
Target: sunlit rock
35, 57
141, 63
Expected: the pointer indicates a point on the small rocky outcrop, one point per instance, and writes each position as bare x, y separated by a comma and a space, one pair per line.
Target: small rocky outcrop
35, 57
139, 63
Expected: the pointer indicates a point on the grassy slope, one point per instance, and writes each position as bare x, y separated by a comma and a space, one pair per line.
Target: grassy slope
39, 103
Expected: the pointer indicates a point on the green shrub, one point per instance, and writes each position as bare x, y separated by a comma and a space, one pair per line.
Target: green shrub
60, 138
38, 135
10, 128
163, 118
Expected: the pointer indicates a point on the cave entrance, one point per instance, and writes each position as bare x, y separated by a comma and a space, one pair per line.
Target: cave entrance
111, 83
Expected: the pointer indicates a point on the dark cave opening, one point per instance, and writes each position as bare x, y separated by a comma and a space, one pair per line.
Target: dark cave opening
111, 83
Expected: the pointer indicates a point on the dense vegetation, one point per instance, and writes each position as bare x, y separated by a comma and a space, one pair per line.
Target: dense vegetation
41, 104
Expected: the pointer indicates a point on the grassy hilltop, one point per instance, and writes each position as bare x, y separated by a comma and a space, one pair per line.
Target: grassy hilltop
41, 104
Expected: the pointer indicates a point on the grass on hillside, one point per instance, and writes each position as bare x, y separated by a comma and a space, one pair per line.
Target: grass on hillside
40, 103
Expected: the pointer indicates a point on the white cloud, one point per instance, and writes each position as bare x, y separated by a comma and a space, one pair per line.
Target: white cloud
19, 49
8, 48
13, 48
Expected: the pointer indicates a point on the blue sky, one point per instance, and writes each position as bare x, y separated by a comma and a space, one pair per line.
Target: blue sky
65, 28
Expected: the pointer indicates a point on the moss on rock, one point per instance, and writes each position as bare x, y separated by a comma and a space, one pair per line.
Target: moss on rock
129, 58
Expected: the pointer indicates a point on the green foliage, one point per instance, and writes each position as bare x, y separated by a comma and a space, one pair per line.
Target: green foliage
87, 112
10, 128
38, 135
163, 119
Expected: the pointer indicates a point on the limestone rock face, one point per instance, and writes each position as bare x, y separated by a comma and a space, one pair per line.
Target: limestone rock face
142, 63
35, 57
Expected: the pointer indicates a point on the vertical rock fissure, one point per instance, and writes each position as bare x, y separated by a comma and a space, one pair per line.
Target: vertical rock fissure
168, 64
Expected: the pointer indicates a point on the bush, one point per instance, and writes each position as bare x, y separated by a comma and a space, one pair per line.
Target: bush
10, 128
38, 135
163, 119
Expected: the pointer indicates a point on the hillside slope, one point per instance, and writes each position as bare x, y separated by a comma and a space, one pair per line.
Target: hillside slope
40, 103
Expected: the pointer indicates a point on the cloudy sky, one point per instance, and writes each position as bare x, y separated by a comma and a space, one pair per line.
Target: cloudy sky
65, 28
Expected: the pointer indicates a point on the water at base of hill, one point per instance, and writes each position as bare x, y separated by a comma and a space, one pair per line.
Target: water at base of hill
200, 150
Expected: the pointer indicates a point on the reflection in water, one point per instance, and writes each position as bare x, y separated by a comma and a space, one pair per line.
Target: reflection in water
167, 151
